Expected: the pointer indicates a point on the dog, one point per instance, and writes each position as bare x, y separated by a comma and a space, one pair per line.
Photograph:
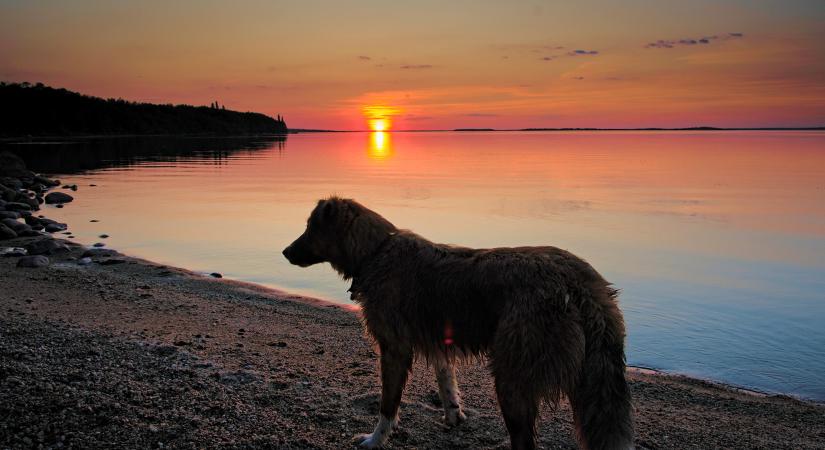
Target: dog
546, 321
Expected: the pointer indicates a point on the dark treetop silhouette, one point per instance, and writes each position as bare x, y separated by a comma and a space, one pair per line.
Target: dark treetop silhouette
38, 110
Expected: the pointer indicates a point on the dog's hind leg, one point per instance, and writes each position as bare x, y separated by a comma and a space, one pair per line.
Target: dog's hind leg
395, 367
449, 393
520, 407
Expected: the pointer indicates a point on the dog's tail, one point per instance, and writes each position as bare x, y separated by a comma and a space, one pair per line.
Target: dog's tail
601, 401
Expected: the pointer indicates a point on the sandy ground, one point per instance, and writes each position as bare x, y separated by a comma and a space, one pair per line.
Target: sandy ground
135, 354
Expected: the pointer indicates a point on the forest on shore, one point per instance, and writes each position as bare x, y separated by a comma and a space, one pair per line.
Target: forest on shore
39, 110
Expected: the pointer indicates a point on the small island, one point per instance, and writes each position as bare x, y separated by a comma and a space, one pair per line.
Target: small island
39, 110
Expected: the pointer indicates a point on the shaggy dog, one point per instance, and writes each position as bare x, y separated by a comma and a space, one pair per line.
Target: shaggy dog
546, 320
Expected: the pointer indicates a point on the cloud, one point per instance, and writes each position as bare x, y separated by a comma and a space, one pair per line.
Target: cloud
482, 115
582, 52
417, 66
364, 58
670, 43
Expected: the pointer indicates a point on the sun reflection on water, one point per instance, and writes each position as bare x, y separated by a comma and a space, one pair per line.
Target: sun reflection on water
379, 146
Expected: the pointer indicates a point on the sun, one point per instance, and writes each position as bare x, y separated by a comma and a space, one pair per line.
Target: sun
379, 124
379, 117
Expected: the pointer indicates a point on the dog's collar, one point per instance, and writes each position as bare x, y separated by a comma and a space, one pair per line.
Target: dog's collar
370, 257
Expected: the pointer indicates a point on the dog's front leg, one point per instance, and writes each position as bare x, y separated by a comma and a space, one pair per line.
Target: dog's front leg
449, 393
395, 367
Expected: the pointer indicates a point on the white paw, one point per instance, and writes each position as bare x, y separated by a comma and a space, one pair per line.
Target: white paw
370, 440
454, 416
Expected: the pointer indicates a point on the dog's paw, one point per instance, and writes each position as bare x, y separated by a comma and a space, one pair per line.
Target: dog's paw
454, 417
369, 440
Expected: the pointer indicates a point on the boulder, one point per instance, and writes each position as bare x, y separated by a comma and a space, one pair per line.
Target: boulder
46, 181
9, 215
12, 251
85, 261
31, 233
6, 232
33, 262
58, 197
55, 227
18, 227
17, 206
32, 220
12, 166
98, 253
46, 247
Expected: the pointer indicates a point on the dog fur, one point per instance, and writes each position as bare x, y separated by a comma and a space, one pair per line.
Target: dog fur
548, 323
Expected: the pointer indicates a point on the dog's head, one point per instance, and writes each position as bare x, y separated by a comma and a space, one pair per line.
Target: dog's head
341, 232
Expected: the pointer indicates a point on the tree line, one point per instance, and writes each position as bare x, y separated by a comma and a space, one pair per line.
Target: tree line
39, 110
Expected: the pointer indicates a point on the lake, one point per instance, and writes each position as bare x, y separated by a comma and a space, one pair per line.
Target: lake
716, 239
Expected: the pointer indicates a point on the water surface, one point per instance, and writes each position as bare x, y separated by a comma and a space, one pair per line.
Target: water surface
716, 239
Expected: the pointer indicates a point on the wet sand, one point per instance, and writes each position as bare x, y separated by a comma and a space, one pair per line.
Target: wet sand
135, 354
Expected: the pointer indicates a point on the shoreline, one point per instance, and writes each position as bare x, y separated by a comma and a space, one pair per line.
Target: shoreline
298, 362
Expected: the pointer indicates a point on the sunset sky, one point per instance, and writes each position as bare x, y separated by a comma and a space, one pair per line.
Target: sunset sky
438, 64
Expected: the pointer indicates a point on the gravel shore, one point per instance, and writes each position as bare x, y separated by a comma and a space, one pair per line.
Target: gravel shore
135, 354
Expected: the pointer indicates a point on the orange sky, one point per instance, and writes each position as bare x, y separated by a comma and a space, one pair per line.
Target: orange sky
438, 65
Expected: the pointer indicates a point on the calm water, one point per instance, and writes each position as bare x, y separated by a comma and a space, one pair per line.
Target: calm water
717, 239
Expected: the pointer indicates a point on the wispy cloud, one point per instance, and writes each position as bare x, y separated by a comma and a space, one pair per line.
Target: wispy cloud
582, 52
417, 66
670, 43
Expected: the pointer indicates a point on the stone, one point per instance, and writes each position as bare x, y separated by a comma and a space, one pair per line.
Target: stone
98, 244
12, 251
53, 198
46, 247
12, 166
84, 261
6, 232
46, 181
17, 206
9, 215
99, 253
111, 261
55, 227
33, 262
215, 275
18, 227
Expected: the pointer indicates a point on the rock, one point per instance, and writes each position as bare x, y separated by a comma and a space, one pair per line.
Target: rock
58, 197
9, 215
112, 261
31, 220
33, 261
216, 275
59, 205
99, 253
45, 181
103, 236
6, 232
12, 166
31, 233
94, 221
18, 227
46, 247
17, 206
12, 251
98, 244
55, 227
73, 187
2, 204
84, 261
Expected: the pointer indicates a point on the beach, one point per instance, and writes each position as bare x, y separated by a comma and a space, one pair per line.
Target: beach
128, 353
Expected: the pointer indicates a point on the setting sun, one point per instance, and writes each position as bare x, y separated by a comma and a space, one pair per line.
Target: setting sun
379, 117
379, 124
